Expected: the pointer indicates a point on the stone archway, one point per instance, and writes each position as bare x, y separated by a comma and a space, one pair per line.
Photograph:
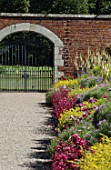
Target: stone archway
58, 44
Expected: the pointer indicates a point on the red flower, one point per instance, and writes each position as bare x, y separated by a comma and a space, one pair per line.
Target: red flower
71, 76
63, 77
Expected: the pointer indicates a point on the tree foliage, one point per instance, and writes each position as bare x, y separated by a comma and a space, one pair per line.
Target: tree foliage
14, 6
56, 6
70, 6
59, 6
99, 7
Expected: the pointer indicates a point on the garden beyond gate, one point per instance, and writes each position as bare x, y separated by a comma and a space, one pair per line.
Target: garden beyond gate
26, 64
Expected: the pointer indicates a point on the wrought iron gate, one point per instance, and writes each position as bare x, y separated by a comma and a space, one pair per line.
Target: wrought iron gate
25, 67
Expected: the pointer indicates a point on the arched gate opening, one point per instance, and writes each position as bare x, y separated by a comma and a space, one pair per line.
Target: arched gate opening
29, 58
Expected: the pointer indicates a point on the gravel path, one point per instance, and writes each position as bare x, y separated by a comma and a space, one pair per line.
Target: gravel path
24, 131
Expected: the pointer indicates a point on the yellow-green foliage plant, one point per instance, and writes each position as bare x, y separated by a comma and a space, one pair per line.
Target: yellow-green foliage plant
79, 90
71, 83
99, 156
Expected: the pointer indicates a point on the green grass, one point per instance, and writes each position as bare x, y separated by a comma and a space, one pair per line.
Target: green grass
18, 67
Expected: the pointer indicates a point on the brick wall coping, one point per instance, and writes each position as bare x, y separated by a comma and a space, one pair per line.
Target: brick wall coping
64, 16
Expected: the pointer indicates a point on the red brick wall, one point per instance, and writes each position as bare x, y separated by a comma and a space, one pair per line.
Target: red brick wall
77, 34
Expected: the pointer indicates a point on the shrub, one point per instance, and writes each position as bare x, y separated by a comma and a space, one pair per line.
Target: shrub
48, 97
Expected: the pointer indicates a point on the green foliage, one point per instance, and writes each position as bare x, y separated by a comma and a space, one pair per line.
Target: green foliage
96, 70
84, 129
1, 69
38, 6
89, 82
102, 120
103, 114
70, 6
56, 6
48, 97
99, 7
59, 6
95, 64
17, 6
40, 47
96, 92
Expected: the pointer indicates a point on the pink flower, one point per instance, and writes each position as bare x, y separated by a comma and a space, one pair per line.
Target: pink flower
75, 138
92, 100
105, 96
81, 104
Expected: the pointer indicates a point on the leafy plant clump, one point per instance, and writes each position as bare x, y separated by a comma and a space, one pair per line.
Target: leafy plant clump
98, 157
61, 101
67, 152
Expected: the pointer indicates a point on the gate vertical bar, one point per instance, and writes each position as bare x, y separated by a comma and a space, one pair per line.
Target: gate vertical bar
18, 66
22, 66
8, 74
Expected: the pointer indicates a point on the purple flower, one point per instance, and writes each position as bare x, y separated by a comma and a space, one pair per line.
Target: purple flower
81, 104
92, 100
79, 118
71, 117
84, 115
100, 122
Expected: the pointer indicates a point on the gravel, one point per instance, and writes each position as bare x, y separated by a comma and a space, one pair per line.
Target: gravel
24, 131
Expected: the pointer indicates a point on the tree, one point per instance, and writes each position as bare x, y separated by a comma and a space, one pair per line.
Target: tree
59, 6
100, 7
70, 6
16, 6
36, 6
